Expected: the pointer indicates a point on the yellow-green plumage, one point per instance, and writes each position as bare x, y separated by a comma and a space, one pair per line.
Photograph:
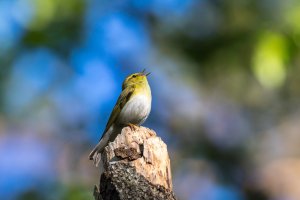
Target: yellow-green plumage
133, 107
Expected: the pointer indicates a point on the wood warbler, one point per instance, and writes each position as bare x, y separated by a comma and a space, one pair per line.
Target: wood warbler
132, 109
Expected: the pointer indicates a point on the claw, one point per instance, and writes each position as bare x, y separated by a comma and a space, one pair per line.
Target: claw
133, 127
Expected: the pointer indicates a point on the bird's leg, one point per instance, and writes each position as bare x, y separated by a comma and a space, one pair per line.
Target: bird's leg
133, 127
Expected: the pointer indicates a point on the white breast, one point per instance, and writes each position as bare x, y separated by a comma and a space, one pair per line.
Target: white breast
136, 110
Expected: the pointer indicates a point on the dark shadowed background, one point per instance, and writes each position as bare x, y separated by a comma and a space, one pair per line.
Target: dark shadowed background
225, 85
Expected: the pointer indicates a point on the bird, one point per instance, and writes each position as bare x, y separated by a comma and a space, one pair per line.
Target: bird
131, 109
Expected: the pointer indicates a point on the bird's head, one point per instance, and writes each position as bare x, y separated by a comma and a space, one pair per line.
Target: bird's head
136, 78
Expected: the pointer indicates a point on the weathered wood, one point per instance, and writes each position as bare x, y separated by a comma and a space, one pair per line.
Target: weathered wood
135, 165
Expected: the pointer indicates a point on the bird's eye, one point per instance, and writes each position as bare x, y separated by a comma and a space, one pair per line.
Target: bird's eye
133, 76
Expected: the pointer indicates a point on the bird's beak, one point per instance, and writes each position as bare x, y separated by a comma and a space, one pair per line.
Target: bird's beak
143, 72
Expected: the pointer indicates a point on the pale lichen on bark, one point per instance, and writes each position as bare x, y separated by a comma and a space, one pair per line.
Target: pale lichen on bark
136, 165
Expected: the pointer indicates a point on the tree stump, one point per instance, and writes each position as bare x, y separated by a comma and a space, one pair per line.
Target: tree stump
136, 165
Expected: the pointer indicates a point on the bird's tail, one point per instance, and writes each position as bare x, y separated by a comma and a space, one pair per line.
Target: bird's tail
95, 155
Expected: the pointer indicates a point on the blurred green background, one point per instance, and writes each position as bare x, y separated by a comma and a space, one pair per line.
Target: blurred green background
225, 84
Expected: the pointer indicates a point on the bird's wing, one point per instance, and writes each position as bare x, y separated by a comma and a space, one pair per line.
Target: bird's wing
122, 100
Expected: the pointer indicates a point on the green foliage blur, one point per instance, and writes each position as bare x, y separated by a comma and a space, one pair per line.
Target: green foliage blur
225, 85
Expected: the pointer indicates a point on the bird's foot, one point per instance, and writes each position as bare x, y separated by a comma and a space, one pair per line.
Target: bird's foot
133, 127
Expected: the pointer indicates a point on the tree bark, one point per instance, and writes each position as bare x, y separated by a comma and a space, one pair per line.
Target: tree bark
135, 165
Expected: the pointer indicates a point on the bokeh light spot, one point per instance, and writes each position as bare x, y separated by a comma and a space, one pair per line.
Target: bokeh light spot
269, 60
